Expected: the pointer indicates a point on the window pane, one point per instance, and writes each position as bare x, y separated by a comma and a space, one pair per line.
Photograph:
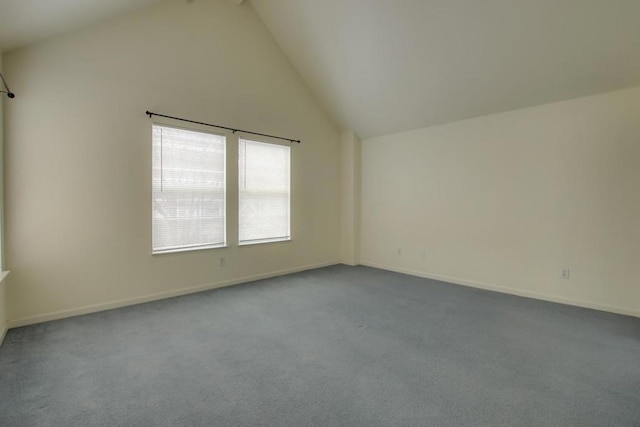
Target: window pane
188, 189
264, 192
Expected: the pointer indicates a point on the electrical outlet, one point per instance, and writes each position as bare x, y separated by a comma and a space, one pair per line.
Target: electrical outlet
222, 262
399, 251
423, 254
566, 273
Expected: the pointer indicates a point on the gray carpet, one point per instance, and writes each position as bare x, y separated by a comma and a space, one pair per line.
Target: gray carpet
348, 346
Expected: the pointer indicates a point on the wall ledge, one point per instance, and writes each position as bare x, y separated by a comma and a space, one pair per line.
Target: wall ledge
511, 291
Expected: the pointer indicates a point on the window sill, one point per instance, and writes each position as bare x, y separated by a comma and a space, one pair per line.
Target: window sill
192, 249
259, 242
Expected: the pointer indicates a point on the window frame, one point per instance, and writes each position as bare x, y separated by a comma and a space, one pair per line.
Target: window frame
290, 194
225, 243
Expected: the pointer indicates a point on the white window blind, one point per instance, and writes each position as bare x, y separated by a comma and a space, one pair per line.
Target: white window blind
264, 192
188, 189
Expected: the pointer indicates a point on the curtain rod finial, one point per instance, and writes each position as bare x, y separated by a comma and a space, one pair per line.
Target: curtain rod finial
6, 86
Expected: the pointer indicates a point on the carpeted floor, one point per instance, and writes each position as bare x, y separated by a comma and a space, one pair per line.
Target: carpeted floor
339, 346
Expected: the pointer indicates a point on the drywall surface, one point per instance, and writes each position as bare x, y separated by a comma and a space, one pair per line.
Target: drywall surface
78, 156
350, 189
508, 201
3, 309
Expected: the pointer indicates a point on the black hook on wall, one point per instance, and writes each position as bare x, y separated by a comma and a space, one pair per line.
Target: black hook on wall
7, 91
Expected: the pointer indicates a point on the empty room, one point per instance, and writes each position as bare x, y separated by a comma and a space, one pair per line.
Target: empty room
320, 213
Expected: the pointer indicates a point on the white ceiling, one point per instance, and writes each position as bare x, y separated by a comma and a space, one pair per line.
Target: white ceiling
385, 66
25, 21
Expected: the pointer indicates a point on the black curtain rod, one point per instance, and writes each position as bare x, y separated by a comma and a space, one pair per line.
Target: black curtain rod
150, 114
7, 91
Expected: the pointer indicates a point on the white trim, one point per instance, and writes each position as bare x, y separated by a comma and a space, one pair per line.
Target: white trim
199, 247
191, 127
5, 325
61, 314
188, 249
3, 332
505, 290
261, 241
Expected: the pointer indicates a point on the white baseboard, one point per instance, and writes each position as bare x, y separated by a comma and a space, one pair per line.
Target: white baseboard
61, 314
4, 327
3, 332
505, 290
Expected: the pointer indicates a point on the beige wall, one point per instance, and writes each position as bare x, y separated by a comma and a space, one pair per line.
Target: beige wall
78, 155
350, 188
507, 201
503, 202
3, 309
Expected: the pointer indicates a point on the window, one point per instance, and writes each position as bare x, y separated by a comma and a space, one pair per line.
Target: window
188, 189
264, 192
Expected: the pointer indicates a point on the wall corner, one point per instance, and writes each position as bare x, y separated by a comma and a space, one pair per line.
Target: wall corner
350, 166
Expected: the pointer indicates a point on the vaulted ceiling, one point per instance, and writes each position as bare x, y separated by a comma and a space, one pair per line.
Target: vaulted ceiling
385, 66
26, 21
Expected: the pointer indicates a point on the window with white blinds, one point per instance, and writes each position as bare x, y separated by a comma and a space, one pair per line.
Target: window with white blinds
264, 192
188, 189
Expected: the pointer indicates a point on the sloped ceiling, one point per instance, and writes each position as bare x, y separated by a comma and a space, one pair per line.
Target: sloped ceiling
385, 66
26, 21
23, 22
